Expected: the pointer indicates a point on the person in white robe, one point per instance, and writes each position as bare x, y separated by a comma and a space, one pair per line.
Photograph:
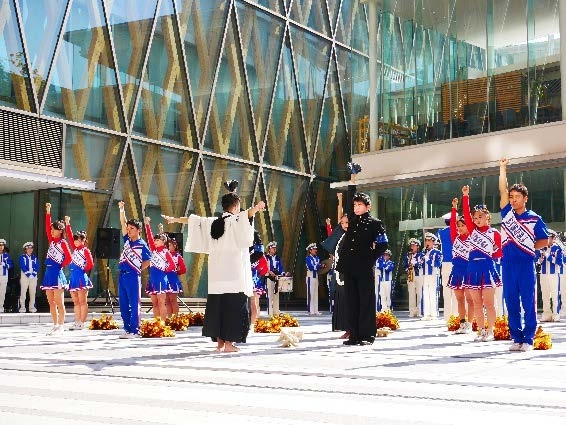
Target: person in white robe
226, 240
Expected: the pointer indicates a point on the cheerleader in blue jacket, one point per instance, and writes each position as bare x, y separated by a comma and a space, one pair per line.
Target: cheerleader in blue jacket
79, 281
6, 265
161, 263
29, 265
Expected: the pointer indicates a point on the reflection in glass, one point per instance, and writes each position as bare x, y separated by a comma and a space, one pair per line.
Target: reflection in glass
312, 14
15, 84
83, 86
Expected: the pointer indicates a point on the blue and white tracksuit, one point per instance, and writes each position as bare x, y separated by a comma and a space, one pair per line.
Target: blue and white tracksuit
5, 265
431, 280
129, 282
518, 236
313, 266
29, 265
551, 262
383, 283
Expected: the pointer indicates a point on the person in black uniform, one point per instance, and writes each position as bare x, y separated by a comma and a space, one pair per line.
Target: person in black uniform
363, 243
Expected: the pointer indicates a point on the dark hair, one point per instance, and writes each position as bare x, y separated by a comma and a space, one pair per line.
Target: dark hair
521, 188
134, 222
58, 225
162, 237
80, 235
362, 197
229, 200
173, 241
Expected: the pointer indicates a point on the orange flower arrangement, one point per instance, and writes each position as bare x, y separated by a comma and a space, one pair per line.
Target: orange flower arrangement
104, 323
453, 323
274, 324
386, 320
501, 329
155, 328
196, 319
474, 325
543, 340
179, 322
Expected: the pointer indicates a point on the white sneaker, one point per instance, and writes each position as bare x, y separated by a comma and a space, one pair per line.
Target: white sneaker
76, 326
488, 336
1, 310
515, 347
546, 318
54, 330
33, 310
481, 335
132, 336
556, 318
22, 310
123, 335
526, 347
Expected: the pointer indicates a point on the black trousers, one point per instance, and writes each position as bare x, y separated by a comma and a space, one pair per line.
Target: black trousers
360, 296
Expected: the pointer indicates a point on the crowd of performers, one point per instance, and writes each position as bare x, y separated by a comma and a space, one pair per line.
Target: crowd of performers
469, 267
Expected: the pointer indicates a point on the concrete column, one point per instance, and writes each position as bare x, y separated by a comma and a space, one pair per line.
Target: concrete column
373, 115
562, 23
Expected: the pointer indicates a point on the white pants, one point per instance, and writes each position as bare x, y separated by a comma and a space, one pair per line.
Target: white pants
415, 289
272, 299
562, 297
3, 286
500, 309
377, 286
385, 295
31, 284
312, 295
549, 291
430, 300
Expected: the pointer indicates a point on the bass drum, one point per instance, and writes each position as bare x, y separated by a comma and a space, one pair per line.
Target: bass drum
285, 283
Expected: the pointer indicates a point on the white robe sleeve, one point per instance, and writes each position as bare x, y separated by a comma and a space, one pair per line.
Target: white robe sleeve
198, 234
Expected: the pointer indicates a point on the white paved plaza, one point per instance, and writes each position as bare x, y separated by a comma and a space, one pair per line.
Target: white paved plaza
420, 374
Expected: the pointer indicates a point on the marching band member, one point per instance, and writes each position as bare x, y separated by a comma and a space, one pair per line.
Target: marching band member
413, 264
431, 274
551, 260
482, 278
79, 282
275, 269
523, 232
54, 280
29, 265
460, 255
226, 240
5, 265
161, 264
135, 258
313, 266
175, 285
385, 267
260, 268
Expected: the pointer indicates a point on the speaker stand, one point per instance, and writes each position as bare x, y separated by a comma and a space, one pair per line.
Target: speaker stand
111, 299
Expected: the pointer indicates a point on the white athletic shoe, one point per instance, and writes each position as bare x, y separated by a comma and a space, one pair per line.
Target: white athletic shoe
526, 347
546, 318
515, 347
556, 318
132, 336
123, 335
481, 335
54, 330
22, 310
488, 336
33, 310
76, 326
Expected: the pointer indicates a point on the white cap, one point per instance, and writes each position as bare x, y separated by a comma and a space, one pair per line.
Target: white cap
2, 241
414, 241
27, 245
311, 246
429, 235
272, 244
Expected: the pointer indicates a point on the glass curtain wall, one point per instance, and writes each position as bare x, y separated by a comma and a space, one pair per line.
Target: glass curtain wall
448, 69
163, 101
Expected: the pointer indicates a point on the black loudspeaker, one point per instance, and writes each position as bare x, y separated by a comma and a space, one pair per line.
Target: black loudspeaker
108, 243
178, 237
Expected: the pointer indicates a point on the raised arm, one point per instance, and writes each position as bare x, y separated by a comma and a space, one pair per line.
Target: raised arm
170, 220
123, 219
69, 230
466, 208
149, 234
503, 185
260, 206
340, 211
453, 217
48, 221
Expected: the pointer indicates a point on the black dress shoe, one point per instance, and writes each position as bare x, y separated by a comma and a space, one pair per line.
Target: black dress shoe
367, 341
351, 342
